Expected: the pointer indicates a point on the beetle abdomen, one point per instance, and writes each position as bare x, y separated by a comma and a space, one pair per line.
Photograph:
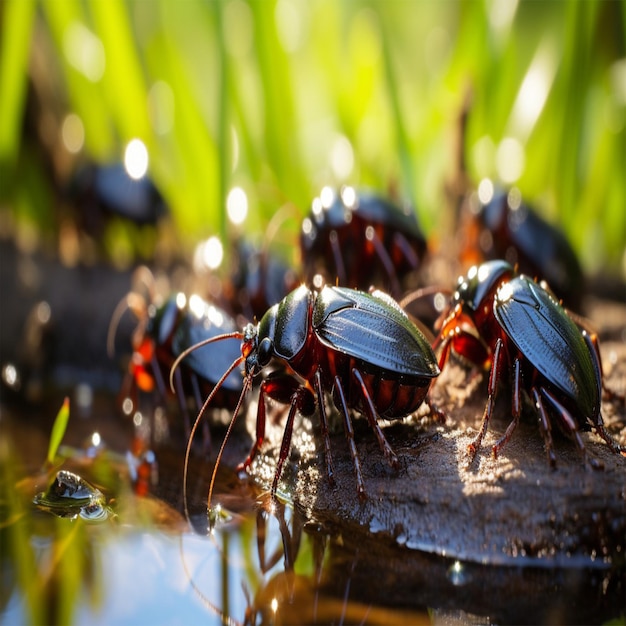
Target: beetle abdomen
394, 397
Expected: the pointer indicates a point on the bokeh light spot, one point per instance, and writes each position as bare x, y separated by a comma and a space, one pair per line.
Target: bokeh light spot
237, 205
136, 159
510, 160
73, 133
208, 255
84, 51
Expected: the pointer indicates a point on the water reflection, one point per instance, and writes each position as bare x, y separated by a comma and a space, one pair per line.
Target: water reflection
262, 563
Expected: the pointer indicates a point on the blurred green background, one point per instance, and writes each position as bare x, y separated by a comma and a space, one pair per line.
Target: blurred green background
281, 98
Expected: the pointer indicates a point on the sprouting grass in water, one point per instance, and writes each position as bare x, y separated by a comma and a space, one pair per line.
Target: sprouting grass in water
58, 430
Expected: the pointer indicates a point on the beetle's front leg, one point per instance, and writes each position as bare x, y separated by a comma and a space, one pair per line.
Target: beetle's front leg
494, 377
260, 429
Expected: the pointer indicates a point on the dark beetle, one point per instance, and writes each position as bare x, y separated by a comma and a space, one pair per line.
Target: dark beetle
258, 280
361, 348
108, 190
504, 227
360, 240
516, 327
162, 334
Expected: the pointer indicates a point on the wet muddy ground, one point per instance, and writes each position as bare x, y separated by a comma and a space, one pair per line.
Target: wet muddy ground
503, 540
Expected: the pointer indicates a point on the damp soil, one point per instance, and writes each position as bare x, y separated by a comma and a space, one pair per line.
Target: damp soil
508, 539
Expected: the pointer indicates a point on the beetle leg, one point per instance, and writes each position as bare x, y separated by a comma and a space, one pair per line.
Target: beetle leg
288, 547
286, 443
544, 425
446, 344
613, 445
206, 431
591, 339
260, 428
385, 259
437, 413
372, 417
408, 252
180, 394
571, 426
339, 264
158, 376
330, 472
516, 405
494, 376
340, 397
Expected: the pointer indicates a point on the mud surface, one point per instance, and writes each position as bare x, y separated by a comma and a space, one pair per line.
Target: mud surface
437, 532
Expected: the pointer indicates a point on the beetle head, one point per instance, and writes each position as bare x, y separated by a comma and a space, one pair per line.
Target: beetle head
477, 288
256, 352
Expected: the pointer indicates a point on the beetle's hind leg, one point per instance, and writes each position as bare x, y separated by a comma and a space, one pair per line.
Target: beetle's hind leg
206, 430
372, 417
340, 401
544, 425
571, 428
386, 261
330, 472
610, 441
591, 339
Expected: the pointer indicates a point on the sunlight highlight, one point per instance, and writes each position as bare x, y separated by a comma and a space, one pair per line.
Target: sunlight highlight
73, 133
534, 91
136, 159
84, 51
208, 255
510, 160
342, 157
237, 205
485, 191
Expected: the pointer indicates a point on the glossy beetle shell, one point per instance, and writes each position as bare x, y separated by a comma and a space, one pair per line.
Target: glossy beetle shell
551, 342
360, 239
338, 329
507, 228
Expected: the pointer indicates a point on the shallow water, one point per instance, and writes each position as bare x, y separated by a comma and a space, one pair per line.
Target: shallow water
143, 563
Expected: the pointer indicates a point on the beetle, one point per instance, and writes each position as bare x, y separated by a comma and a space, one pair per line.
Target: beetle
164, 331
367, 239
257, 281
503, 226
514, 326
108, 190
360, 348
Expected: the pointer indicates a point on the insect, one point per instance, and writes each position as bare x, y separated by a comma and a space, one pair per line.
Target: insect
504, 227
513, 325
104, 191
162, 334
258, 280
360, 348
360, 240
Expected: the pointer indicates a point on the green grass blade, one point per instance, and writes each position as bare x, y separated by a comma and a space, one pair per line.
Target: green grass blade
58, 430
15, 42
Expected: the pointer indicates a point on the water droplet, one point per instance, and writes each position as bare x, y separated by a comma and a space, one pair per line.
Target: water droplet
457, 574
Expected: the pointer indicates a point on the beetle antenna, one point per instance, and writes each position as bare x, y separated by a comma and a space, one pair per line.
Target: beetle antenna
247, 383
185, 353
423, 293
131, 301
215, 389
